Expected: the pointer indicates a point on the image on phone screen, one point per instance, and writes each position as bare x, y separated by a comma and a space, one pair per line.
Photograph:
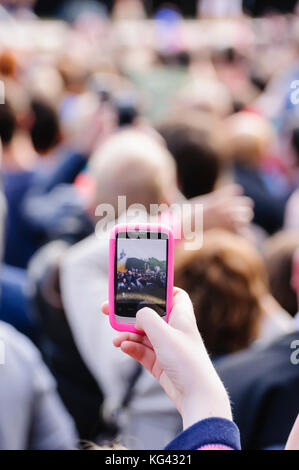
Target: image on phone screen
140, 273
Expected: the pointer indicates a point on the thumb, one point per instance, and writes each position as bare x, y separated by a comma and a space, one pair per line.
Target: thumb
155, 328
229, 191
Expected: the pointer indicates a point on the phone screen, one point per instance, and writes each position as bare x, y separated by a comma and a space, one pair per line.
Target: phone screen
141, 261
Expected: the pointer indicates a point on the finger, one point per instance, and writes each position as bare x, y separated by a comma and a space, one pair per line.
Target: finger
140, 353
228, 191
105, 308
176, 290
155, 328
240, 215
232, 208
240, 211
181, 298
134, 337
182, 315
243, 201
227, 205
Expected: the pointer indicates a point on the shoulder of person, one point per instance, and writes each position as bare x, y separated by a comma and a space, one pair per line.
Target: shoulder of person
18, 344
22, 357
91, 249
259, 365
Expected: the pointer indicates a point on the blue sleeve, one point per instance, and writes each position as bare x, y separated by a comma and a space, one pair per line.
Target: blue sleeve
64, 173
208, 431
37, 209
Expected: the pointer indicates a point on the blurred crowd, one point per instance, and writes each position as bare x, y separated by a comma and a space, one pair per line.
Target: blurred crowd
162, 110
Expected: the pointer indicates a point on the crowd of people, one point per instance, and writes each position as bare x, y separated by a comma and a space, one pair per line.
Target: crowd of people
136, 281
165, 111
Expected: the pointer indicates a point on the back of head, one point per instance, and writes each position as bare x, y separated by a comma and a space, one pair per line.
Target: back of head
136, 165
249, 136
279, 251
226, 281
45, 132
196, 152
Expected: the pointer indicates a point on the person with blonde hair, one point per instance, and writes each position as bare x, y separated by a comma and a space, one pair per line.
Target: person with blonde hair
136, 165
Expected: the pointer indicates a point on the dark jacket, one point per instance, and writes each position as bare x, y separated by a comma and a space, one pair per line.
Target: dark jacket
263, 385
268, 208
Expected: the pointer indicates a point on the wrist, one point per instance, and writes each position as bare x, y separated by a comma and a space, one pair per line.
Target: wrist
195, 408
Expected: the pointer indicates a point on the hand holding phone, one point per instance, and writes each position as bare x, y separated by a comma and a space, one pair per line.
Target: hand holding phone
140, 273
175, 355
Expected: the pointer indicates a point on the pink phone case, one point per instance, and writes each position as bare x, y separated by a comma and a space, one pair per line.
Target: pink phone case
131, 227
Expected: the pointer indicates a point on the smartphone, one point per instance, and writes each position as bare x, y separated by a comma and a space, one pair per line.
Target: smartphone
140, 273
